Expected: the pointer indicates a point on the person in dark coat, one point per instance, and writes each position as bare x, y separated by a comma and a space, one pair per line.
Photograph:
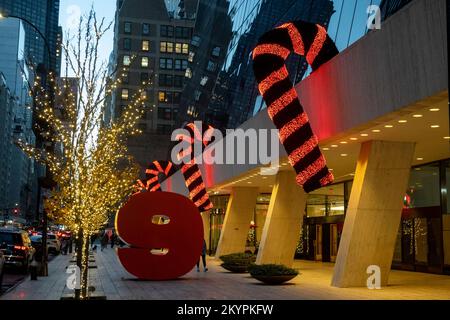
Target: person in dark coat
104, 240
203, 257
113, 239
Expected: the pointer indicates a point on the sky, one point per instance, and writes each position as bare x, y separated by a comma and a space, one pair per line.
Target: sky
70, 11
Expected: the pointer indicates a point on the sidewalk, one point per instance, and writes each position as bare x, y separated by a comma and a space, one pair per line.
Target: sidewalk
313, 283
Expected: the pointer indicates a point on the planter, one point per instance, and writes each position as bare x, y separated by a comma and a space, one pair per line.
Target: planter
235, 268
274, 280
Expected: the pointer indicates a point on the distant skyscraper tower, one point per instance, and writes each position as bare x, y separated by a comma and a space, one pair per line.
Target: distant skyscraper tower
44, 14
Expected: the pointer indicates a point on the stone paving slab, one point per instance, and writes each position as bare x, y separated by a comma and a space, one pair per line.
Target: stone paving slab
116, 283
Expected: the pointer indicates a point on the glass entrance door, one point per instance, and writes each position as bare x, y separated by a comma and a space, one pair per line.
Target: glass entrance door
422, 240
318, 243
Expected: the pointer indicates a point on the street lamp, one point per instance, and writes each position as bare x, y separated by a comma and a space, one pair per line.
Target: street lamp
52, 102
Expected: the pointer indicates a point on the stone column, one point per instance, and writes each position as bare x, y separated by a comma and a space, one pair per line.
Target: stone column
284, 221
236, 224
374, 212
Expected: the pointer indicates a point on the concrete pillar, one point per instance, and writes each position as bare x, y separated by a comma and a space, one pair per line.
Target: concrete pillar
374, 212
281, 231
239, 214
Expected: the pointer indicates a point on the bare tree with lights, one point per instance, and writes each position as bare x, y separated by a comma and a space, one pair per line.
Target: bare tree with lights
88, 160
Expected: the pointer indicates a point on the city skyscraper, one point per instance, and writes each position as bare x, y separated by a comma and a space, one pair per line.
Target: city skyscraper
44, 14
157, 34
21, 194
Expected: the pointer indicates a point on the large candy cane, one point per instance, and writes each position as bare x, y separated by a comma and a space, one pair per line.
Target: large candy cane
151, 183
191, 172
153, 171
269, 56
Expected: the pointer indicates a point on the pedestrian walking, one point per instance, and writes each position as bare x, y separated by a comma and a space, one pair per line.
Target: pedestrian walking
104, 240
203, 257
113, 239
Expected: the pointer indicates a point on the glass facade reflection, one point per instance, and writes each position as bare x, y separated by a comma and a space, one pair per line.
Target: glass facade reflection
231, 96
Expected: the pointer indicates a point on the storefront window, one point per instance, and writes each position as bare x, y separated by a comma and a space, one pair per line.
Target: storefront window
327, 201
423, 188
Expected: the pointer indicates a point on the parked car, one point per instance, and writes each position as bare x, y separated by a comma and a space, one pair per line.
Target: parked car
2, 267
16, 247
53, 243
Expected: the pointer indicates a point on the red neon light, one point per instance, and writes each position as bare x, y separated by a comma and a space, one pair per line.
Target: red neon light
274, 77
292, 126
282, 102
317, 45
272, 49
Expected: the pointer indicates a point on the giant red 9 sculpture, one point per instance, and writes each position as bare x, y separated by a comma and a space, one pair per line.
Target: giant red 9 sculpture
170, 250
159, 251
284, 108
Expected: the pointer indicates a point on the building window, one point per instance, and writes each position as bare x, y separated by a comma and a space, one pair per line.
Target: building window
216, 52
145, 45
178, 48
164, 128
164, 114
176, 97
125, 77
177, 64
195, 41
191, 56
204, 81
187, 33
126, 60
126, 44
185, 48
124, 94
188, 73
127, 27
165, 63
183, 33
179, 32
144, 62
181, 64
165, 80
178, 81
162, 96
166, 31
211, 66
144, 77
145, 28
166, 47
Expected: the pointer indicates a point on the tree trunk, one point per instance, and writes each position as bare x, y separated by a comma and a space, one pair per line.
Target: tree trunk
82, 251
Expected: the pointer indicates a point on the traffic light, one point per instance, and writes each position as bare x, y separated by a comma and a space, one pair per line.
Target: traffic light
16, 211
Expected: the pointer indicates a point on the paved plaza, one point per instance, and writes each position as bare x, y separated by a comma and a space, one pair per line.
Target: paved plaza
111, 279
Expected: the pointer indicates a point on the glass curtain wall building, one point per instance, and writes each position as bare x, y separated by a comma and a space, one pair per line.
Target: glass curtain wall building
44, 14
233, 95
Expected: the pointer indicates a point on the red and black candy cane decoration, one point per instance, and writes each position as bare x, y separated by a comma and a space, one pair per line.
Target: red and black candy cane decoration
269, 56
151, 183
191, 171
152, 174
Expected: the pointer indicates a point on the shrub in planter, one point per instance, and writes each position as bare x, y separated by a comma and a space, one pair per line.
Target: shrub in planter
272, 273
237, 262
